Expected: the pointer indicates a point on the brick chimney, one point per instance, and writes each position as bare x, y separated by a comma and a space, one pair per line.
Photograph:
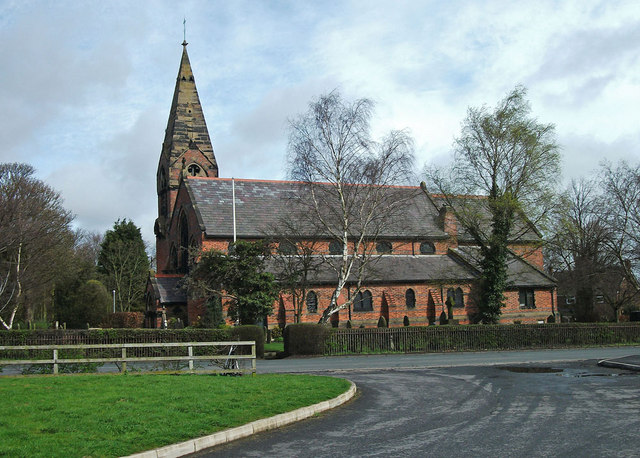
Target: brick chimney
448, 223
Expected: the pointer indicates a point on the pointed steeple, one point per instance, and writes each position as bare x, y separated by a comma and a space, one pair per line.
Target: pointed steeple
187, 147
186, 128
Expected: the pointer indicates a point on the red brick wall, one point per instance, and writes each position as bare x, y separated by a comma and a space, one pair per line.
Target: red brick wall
388, 300
543, 299
530, 252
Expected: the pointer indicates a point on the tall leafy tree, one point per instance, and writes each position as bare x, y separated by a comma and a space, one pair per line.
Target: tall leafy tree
238, 278
80, 262
34, 232
513, 160
124, 264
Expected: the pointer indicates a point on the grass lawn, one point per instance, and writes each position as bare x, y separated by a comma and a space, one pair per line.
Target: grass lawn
274, 346
114, 415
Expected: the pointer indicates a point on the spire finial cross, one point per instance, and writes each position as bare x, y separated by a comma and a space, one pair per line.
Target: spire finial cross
184, 32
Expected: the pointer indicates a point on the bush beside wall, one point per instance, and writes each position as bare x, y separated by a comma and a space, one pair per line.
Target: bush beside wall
124, 320
250, 332
305, 339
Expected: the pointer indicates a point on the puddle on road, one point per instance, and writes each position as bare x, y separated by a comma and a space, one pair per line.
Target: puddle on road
577, 373
530, 369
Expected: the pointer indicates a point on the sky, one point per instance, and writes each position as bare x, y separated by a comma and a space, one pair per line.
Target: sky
86, 86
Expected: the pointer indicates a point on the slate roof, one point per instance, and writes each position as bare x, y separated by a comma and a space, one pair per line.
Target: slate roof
519, 272
168, 290
396, 268
262, 205
522, 230
459, 266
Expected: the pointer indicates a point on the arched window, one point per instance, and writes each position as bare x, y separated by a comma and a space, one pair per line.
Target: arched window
427, 248
312, 302
410, 298
459, 298
384, 247
335, 247
287, 247
363, 302
196, 170
451, 296
184, 243
173, 258
162, 192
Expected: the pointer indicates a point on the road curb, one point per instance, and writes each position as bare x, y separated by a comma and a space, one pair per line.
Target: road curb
265, 424
619, 365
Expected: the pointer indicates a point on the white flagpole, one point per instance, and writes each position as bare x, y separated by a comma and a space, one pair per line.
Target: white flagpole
233, 192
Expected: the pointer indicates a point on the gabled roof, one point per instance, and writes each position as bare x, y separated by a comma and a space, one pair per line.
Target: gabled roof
395, 269
475, 208
168, 289
520, 274
262, 205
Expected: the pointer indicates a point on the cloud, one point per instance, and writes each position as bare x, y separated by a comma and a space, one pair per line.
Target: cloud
255, 143
86, 87
51, 69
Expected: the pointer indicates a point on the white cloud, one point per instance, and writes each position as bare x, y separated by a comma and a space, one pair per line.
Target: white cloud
86, 88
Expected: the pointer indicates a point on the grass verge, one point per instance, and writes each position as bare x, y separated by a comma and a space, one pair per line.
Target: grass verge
115, 415
274, 346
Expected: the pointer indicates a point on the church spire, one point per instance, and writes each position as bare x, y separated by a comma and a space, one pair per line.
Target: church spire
187, 146
187, 129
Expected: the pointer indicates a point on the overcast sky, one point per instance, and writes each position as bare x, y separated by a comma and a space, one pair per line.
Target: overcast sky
86, 86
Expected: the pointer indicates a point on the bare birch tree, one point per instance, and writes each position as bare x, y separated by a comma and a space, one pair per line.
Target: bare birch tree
620, 213
33, 227
346, 177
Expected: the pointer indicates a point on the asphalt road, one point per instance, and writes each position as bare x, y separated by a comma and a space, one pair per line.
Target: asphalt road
551, 409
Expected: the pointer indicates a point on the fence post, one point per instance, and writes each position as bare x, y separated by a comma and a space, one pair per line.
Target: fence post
124, 362
190, 349
253, 359
55, 359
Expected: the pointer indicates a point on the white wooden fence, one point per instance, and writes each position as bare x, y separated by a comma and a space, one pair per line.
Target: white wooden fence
225, 362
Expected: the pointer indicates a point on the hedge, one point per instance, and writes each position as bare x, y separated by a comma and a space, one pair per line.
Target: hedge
124, 320
477, 338
305, 339
250, 332
115, 336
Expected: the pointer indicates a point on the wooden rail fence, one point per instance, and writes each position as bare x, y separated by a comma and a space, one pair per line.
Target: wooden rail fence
226, 358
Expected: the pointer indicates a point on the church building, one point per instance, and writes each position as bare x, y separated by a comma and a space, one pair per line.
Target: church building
428, 263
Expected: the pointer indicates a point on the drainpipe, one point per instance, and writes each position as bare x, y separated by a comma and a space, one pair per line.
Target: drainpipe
233, 200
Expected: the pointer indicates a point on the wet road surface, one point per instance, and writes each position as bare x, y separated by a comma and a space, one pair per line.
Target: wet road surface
540, 409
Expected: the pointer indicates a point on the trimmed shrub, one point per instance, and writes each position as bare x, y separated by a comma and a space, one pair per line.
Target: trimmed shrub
305, 339
276, 332
122, 320
382, 322
349, 326
250, 332
443, 318
108, 336
480, 337
405, 321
